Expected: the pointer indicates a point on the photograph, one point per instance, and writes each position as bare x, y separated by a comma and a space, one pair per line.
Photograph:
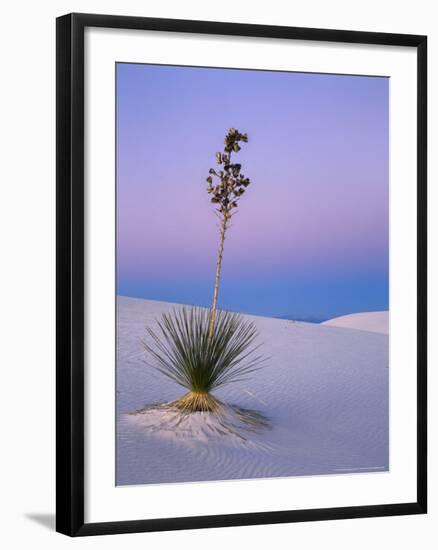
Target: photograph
252, 274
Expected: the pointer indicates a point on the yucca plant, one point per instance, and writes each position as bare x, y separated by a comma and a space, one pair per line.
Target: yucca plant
203, 349
185, 352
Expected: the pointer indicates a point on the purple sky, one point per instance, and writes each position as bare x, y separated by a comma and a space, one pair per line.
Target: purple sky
310, 239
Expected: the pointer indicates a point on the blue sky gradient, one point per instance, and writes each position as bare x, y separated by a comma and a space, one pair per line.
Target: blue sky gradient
310, 238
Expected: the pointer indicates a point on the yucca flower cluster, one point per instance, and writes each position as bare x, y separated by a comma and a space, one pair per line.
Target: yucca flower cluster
231, 183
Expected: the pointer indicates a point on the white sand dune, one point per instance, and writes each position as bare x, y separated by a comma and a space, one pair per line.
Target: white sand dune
372, 321
324, 391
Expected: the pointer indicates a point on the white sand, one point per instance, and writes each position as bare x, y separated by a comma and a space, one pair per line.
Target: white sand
324, 390
372, 321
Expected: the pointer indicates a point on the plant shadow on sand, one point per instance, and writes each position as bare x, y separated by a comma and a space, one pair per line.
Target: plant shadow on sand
227, 424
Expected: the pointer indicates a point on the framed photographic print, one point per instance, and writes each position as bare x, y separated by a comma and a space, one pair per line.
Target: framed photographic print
241, 274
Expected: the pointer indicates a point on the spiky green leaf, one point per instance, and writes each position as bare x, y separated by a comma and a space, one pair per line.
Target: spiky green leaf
182, 349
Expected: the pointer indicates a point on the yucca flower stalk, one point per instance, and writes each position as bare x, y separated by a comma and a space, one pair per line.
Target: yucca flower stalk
203, 349
226, 192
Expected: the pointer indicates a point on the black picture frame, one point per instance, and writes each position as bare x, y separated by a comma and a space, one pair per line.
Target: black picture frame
70, 273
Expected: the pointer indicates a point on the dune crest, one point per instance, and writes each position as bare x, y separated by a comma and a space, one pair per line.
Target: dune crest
371, 321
